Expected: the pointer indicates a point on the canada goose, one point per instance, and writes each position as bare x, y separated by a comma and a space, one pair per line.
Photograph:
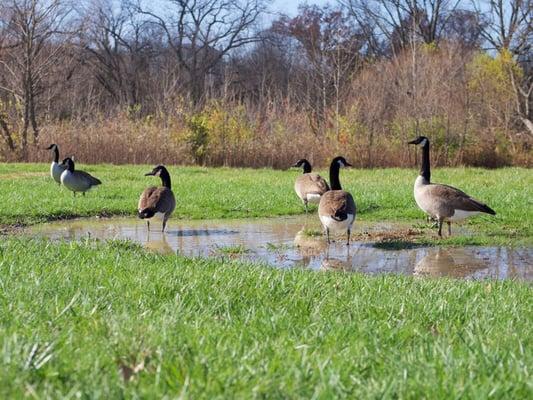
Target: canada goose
443, 202
157, 201
309, 187
56, 169
76, 180
337, 207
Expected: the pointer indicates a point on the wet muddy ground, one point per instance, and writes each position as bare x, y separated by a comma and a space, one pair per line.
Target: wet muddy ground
296, 242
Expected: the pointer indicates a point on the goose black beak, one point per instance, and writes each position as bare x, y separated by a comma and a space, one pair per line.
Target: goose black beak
149, 174
413, 142
348, 164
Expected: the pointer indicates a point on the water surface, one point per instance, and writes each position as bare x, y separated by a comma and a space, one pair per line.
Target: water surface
295, 242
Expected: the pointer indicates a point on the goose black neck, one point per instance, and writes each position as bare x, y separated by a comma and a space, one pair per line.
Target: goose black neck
334, 176
70, 165
56, 154
307, 167
165, 178
425, 169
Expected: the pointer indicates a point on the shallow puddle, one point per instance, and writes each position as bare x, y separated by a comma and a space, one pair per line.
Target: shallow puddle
296, 242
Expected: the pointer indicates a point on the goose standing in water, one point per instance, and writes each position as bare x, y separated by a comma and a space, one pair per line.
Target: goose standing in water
443, 202
75, 180
336, 209
309, 186
56, 169
157, 201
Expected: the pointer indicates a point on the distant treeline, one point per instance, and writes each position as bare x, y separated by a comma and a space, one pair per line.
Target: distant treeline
211, 82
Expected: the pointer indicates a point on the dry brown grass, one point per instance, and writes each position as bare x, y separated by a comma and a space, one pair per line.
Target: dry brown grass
469, 117
123, 141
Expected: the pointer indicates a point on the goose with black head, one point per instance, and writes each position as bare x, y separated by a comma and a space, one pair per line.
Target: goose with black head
309, 187
442, 202
56, 169
157, 201
76, 180
336, 209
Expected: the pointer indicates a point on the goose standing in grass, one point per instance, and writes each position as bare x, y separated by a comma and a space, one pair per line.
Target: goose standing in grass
443, 202
75, 180
336, 209
157, 201
56, 169
309, 186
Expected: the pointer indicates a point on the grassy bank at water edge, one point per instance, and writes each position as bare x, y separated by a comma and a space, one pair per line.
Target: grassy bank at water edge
96, 320
30, 196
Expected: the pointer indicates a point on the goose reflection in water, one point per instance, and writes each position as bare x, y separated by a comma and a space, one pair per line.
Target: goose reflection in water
158, 244
337, 263
454, 263
308, 246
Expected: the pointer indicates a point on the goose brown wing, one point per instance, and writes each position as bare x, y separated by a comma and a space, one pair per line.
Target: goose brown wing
157, 199
320, 183
337, 204
311, 183
144, 200
93, 181
458, 200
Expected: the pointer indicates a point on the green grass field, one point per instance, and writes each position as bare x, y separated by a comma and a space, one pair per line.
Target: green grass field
111, 320
381, 195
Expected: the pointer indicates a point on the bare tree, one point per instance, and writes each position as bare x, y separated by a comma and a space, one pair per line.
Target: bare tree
120, 45
332, 52
31, 30
510, 28
201, 32
401, 20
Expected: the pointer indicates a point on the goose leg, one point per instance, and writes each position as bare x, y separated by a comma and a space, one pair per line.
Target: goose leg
305, 204
449, 228
327, 235
348, 242
440, 226
164, 223
148, 224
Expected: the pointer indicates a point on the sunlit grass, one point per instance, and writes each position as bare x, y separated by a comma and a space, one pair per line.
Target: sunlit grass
95, 320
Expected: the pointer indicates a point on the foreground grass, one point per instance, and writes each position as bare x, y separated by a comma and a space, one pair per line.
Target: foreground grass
109, 320
30, 196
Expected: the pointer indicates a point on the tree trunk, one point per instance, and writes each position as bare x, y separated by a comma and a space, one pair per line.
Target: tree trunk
7, 134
